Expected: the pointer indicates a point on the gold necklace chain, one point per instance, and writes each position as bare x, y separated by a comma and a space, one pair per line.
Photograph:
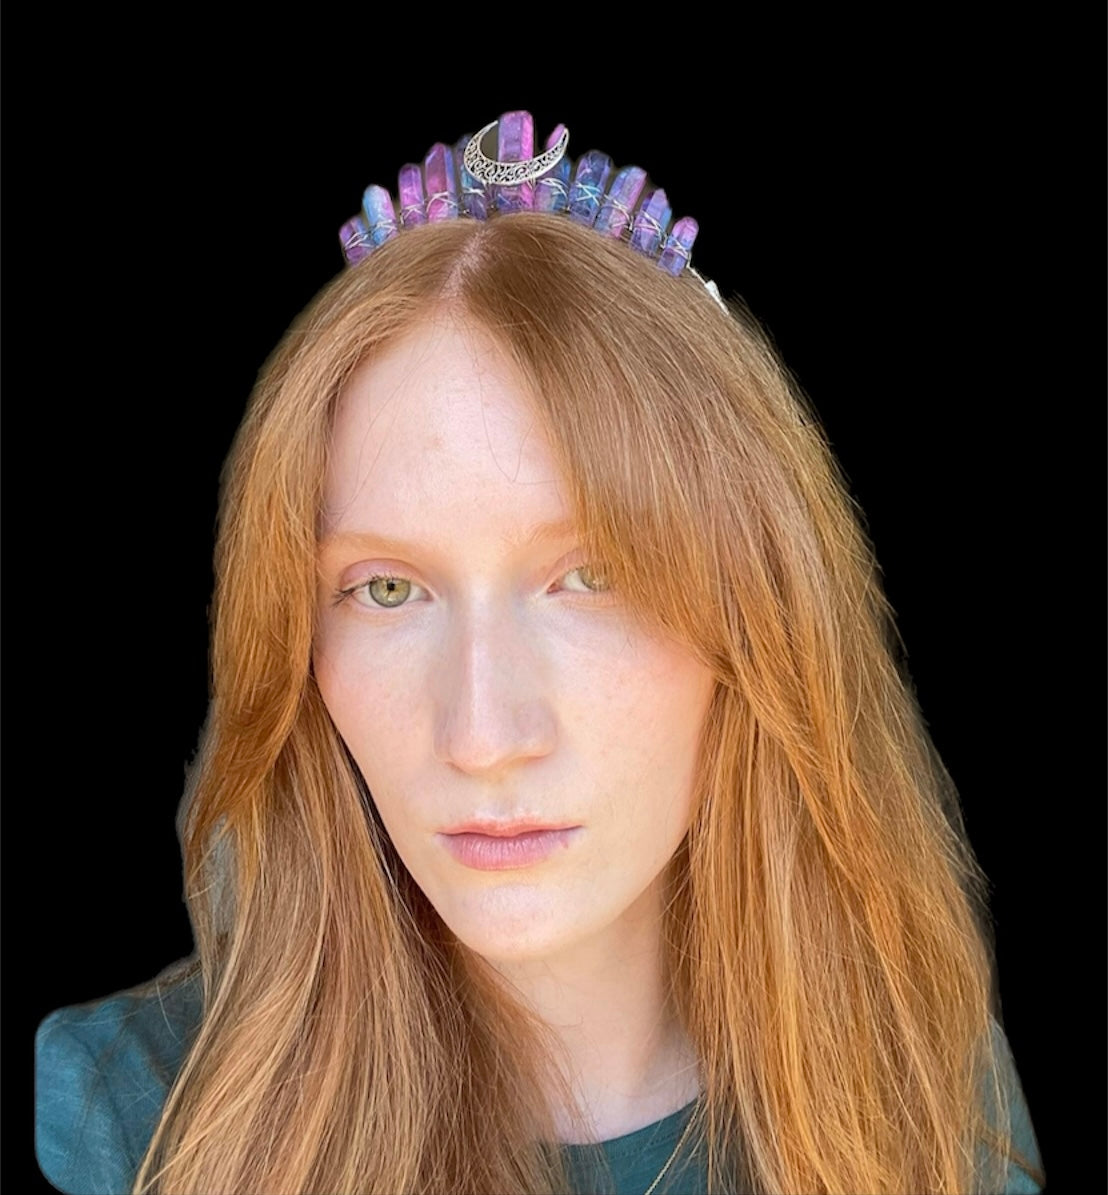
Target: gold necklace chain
676, 1151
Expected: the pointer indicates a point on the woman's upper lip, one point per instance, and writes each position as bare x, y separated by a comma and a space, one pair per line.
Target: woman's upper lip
507, 829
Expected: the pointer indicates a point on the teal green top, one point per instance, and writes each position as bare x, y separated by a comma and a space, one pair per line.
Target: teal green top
103, 1071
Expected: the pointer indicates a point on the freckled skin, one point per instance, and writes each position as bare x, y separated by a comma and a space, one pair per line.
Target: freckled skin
499, 687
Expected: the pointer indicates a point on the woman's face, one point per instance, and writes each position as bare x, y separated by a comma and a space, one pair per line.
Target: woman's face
494, 681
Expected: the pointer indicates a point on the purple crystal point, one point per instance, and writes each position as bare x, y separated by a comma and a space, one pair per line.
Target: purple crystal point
472, 194
587, 191
380, 217
623, 194
678, 247
515, 132
442, 190
412, 209
651, 221
552, 189
354, 238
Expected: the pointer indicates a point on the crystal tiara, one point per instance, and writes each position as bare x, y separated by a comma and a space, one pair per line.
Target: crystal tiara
461, 180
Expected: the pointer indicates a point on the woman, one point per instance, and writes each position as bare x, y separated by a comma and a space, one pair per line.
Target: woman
563, 820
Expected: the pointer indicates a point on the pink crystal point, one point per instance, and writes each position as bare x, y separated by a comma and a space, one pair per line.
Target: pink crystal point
623, 194
354, 238
515, 132
552, 189
442, 190
651, 221
678, 246
412, 209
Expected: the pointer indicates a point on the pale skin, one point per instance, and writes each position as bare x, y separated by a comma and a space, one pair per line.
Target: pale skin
506, 684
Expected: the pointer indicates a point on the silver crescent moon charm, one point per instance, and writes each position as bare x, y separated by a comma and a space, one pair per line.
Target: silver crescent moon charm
493, 172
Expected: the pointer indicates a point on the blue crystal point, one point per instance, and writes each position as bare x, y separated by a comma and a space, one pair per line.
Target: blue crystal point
623, 194
380, 216
589, 182
471, 191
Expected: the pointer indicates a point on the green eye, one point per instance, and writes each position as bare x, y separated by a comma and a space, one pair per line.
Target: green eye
388, 591
593, 578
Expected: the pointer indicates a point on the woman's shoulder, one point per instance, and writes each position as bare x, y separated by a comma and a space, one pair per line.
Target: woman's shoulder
1019, 1180
103, 1070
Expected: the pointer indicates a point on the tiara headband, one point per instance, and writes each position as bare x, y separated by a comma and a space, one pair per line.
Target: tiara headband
463, 181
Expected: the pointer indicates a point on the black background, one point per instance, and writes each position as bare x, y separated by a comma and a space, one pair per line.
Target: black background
905, 208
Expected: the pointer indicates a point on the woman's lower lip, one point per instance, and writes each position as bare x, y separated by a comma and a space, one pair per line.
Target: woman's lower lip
486, 853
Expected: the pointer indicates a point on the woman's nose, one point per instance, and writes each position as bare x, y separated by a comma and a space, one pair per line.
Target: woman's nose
494, 694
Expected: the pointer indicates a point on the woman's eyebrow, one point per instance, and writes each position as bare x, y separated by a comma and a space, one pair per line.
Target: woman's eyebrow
538, 533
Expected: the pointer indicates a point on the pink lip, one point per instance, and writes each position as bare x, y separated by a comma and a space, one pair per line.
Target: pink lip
503, 852
506, 829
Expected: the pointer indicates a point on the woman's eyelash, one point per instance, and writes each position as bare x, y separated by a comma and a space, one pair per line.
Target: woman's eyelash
340, 595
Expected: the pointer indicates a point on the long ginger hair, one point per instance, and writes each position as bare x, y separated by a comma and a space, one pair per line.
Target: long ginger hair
828, 942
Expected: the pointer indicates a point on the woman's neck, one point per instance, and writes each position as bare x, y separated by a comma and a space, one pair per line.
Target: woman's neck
627, 1059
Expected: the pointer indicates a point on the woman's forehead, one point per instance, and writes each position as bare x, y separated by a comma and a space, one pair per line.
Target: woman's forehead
444, 338
437, 421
